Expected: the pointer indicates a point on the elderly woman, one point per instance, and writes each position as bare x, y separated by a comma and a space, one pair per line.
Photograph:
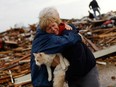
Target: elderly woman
53, 36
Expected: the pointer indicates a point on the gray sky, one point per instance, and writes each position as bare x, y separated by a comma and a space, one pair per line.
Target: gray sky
24, 12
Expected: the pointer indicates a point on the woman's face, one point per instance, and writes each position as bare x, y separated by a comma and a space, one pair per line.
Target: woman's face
53, 28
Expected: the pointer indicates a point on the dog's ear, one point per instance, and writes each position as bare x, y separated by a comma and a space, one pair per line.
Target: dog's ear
37, 54
34, 54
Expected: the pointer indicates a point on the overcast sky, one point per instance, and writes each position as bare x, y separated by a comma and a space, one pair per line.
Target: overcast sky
24, 12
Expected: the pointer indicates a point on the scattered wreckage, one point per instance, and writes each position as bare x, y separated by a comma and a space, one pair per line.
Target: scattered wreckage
15, 47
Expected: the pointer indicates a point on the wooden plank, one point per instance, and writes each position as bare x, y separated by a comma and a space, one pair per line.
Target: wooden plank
104, 52
92, 44
10, 42
14, 63
23, 79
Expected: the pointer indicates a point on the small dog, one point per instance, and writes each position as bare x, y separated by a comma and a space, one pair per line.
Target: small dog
59, 71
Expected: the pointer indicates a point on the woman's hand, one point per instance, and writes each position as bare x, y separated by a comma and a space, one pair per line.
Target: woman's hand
56, 61
67, 27
63, 26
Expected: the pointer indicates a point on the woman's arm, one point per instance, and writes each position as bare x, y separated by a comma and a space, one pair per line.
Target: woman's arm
51, 43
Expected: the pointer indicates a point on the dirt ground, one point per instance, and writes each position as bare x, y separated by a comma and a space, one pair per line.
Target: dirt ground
107, 74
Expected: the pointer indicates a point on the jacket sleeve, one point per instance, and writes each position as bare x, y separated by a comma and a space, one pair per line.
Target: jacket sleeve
68, 38
50, 43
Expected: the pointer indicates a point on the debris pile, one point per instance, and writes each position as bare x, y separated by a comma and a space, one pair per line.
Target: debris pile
15, 47
15, 55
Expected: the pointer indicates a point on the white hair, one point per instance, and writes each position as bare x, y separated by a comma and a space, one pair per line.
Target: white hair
48, 12
48, 15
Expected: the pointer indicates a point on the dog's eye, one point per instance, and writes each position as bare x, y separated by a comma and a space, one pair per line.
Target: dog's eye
40, 54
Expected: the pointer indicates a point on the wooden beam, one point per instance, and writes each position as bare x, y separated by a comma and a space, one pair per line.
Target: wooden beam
22, 79
105, 52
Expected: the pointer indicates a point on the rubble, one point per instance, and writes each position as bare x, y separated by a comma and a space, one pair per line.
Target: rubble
15, 47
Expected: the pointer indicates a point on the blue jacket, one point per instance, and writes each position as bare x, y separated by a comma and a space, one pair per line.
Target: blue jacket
49, 43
